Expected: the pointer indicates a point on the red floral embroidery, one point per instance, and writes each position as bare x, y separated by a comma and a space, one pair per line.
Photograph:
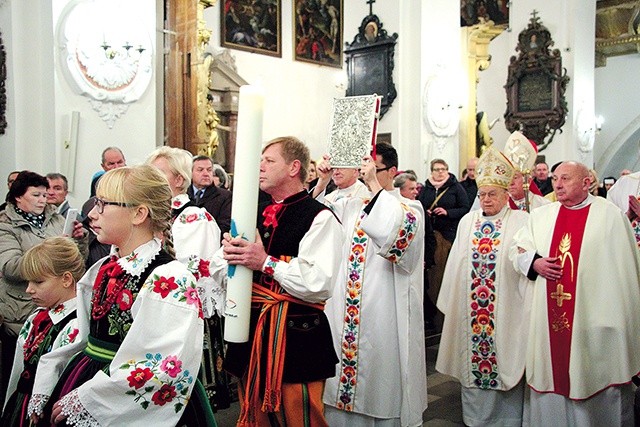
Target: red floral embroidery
73, 335
125, 299
208, 216
203, 268
176, 203
164, 395
164, 285
191, 218
139, 377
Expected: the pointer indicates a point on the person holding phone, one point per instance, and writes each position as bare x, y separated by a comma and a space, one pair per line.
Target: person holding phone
57, 193
26, 222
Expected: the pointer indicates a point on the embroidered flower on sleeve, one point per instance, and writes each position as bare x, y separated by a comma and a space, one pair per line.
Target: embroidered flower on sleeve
192, 296
163, 285
405, 236
270, 266
139, 377
164, 395
203, 268
161, 378
73, 335
191, 218
171, 365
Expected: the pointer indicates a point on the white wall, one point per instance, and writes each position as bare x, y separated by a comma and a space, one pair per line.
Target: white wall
617, 93
135, 132
40, 100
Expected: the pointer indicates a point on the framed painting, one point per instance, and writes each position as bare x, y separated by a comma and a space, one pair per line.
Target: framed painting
252, 25
317, 35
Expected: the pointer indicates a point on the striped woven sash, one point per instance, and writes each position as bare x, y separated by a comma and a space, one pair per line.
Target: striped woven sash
276, 304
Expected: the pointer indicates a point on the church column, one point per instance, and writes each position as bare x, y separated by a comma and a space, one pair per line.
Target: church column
440, 60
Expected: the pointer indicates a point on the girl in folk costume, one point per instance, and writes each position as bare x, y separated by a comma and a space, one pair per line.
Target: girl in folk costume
139, 318
196, 237
52, 269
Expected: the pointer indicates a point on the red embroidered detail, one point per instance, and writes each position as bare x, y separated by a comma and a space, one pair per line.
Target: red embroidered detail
110, 274
164, 395
270, 213
163, 286
203, 268
42, 323
139, 377
125, 300
73, 335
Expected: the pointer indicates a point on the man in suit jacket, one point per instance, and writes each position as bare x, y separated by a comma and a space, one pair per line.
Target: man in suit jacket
203, 193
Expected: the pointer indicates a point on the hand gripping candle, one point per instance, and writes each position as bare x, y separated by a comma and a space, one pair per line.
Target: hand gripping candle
244, 207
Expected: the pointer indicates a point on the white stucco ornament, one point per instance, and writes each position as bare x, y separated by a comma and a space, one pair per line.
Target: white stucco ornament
585, 130
104, 54
440, 109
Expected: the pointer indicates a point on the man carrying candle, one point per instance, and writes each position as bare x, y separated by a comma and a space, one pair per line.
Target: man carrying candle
290, 352
376, 310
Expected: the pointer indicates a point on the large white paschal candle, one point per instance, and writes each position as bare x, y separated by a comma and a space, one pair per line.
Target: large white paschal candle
244, 207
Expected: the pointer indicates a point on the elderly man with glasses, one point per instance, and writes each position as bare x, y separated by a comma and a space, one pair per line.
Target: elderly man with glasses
485, 325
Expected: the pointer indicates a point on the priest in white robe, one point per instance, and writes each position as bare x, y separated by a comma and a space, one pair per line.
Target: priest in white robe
376, 313
625, 194
583, 344
486, 304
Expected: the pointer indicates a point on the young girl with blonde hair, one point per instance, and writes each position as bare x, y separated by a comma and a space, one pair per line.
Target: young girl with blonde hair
139, 316
52, 269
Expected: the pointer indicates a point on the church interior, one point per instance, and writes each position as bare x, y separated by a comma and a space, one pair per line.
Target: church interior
178, 82
78, 76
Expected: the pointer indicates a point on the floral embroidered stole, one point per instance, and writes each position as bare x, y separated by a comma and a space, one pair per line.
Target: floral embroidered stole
348, 370
485, 246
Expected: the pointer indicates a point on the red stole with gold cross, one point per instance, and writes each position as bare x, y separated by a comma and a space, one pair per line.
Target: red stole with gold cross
565, 245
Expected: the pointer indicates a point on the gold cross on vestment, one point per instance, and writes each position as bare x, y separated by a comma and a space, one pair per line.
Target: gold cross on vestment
559, 295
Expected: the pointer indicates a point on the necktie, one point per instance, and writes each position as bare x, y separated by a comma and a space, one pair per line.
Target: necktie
199, 195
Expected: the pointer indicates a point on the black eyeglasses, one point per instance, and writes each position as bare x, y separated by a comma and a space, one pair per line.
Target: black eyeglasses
100, 204
383, 169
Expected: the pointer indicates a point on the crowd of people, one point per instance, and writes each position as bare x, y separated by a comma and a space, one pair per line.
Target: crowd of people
115, 316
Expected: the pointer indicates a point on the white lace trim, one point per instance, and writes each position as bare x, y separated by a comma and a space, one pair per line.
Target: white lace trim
37, 404
75, 412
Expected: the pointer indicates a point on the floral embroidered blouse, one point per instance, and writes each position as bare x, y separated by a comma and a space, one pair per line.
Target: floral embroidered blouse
196, 237
65, 335
152, 374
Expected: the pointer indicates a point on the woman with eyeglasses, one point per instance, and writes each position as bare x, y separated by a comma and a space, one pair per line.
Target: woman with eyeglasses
26, 221
446, 202
139, 346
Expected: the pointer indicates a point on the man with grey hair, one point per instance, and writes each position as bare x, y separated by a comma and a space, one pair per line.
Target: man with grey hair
408, 185
57, 192
112, 158
583, 348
